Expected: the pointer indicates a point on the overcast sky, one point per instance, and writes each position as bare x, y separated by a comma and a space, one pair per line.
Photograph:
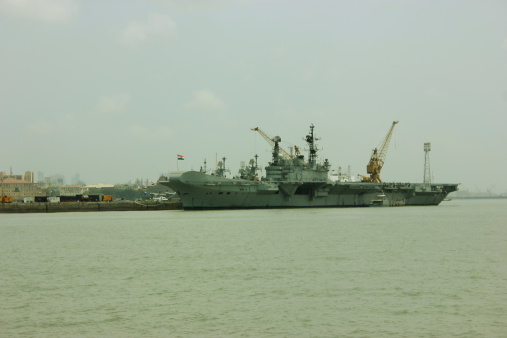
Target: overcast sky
114, 90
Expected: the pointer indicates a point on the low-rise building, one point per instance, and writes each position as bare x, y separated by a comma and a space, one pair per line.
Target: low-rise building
72, 190
99, 186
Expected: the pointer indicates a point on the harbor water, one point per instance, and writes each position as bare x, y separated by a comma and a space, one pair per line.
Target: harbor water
345, 272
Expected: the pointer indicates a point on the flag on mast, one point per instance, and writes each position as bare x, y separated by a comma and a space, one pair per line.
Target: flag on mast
181, 157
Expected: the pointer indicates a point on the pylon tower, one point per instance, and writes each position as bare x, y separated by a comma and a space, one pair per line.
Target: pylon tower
427, 173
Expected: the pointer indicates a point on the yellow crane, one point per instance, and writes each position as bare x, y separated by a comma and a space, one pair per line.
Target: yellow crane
283, 153
377, 158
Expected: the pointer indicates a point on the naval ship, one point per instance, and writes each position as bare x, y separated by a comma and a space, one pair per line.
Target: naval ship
291, 181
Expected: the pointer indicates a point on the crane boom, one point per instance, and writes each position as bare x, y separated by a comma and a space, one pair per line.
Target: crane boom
283, 153
378, 157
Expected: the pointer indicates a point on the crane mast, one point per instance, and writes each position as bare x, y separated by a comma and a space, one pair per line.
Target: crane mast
271, 141
378, 157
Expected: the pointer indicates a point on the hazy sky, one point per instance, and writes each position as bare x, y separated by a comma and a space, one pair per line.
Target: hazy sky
114, 90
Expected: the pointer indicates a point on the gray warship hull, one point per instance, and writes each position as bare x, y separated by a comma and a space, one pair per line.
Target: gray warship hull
200, 191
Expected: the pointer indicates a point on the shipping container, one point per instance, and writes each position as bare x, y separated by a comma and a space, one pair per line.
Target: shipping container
94, 198
69, 199
54, 199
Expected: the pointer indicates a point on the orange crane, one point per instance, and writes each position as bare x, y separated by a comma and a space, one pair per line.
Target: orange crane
377, 158
283, 153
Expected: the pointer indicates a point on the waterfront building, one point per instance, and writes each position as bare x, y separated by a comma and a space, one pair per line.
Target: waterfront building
19, 189
72, 190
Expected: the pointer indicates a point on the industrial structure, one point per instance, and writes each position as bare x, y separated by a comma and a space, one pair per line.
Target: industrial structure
427, 173
377, 158
271, 142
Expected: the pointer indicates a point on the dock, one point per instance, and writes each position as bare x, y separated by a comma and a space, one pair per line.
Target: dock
89, 206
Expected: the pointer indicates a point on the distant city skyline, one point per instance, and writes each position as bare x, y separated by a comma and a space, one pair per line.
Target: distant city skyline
60, 179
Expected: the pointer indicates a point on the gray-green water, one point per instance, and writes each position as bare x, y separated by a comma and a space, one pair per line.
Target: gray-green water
365, 272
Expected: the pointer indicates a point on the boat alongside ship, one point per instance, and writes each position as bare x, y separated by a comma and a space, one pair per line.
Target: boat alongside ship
295, 182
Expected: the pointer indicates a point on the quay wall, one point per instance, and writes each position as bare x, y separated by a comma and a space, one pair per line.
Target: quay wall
88, 206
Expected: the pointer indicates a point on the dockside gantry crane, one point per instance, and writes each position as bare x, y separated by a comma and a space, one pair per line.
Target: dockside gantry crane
283, 153
377, 158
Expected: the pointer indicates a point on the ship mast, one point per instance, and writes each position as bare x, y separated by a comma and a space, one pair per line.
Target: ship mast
310, 139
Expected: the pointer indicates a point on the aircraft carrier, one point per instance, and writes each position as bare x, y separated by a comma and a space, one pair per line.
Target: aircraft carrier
293, 181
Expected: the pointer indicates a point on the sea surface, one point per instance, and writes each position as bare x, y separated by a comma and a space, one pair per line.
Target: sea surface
348, 272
